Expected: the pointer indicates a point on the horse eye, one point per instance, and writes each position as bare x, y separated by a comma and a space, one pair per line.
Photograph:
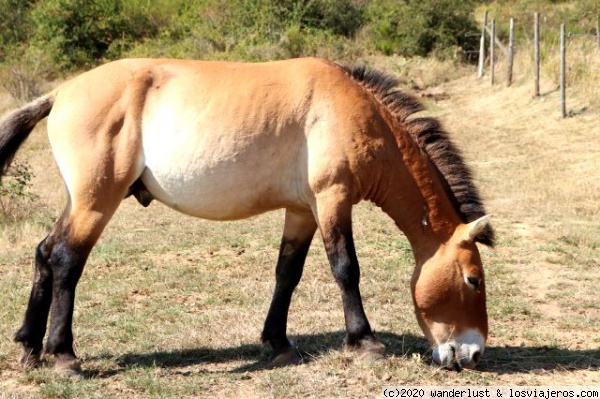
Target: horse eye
474, 282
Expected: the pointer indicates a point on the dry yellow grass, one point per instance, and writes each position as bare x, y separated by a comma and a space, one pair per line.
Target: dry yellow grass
541, 175
170, 306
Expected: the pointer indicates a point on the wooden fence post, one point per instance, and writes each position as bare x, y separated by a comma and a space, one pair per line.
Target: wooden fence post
536, 53
598, 34
482, 46
563, 64
492, 45
511, 52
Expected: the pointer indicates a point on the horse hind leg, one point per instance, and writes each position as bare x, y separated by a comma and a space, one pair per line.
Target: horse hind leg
51, 260
297, 235
60, 259
32, 332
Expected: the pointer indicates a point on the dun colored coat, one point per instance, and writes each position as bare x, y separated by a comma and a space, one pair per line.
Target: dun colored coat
224, 141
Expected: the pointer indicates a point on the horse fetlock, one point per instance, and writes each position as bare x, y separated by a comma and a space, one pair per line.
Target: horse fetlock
68, 366
31, 356
30, 359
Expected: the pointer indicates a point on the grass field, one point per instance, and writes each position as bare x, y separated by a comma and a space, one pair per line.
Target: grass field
171, 306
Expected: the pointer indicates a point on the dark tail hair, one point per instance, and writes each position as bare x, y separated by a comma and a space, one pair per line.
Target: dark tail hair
16, 126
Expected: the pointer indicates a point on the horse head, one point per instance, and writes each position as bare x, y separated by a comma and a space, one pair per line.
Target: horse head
448, 291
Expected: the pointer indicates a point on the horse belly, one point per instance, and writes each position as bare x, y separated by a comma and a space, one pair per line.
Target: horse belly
220, 180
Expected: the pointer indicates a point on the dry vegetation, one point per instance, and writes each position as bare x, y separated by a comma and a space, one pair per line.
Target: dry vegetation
170, 306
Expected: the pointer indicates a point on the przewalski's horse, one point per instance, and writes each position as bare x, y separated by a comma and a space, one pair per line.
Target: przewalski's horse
225, 141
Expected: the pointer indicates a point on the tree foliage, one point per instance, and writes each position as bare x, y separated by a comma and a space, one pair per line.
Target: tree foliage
13, 23
418, 28
80, 33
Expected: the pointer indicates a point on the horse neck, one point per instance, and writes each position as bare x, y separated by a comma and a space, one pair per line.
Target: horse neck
417, 200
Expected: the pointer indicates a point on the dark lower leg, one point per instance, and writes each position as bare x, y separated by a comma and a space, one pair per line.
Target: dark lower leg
31, 334
67, 265
290, 264
344, 265
288, 273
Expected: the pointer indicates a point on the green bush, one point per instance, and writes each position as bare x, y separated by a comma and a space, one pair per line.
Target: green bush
339, 17
80, 33
422, 27
13, 23
15, 196
253, 30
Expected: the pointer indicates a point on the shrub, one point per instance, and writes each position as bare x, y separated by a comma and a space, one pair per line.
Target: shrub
14, 193
419, 28
339, 17
23, 77
13, 29
81, 32
253, 30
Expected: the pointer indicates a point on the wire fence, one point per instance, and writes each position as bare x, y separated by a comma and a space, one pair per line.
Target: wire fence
497, 48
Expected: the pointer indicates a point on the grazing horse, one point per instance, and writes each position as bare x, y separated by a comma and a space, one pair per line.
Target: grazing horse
226, 141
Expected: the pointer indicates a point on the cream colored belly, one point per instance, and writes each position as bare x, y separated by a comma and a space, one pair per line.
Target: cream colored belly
222, 178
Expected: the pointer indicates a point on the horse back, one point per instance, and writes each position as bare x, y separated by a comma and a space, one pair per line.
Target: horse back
216, 140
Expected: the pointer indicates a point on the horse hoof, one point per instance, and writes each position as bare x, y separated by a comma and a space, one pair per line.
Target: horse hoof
368, 349
30, 360
289, 357
69, 368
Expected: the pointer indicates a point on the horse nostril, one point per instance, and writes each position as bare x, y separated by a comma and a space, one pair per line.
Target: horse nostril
476, 356
454, 362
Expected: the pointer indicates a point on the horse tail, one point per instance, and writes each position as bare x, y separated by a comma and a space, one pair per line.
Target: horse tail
16, 126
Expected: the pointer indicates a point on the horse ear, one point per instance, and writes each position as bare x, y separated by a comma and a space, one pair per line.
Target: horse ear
476, 227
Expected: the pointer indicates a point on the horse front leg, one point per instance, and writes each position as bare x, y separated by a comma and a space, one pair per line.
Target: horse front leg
298, 232
335, 223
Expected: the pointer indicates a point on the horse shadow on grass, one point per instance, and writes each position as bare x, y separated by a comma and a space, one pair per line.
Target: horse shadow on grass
498, 360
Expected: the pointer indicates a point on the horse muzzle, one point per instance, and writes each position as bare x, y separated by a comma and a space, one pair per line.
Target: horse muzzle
461, 351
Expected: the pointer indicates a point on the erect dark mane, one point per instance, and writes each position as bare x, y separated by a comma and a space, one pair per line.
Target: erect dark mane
429, 134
